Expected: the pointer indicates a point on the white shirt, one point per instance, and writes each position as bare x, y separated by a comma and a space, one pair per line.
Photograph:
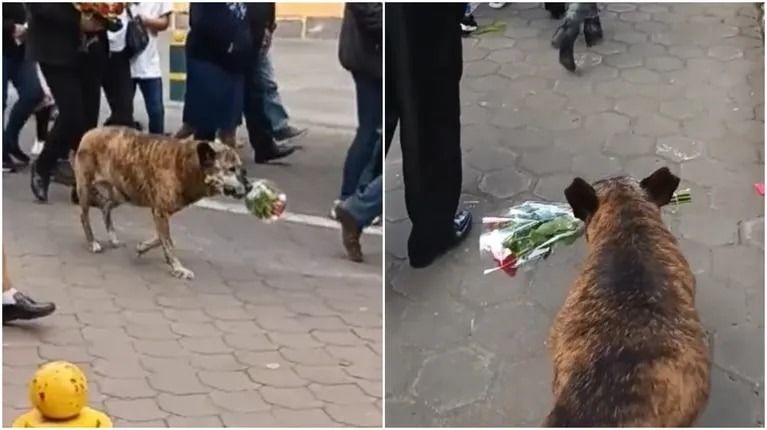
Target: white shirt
147, 64
117, 38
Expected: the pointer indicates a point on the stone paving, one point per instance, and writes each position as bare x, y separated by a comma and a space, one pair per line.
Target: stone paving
678, 85
277, 328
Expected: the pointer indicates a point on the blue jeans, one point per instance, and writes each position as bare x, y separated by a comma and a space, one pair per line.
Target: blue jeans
369, 119
367, 202
23, 74
151, 90
273, 108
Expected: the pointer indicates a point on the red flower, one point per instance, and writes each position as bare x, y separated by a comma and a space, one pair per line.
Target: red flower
508, 265
85, 7
103, 9
117, 8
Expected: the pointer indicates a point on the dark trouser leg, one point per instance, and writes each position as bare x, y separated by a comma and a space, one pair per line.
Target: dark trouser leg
273, 107
118, 89
23, 75
42, 122
151, 90
427, 98
258, 124
369, 94
69, 127
92, 68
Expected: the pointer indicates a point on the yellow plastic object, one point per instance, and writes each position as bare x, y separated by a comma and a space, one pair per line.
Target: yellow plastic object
88, 418
59, 396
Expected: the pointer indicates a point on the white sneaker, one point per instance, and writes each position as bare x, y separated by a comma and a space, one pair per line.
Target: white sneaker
496, 5
37, 147
333, 209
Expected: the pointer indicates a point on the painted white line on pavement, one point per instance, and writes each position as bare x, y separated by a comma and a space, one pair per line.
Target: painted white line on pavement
311, 220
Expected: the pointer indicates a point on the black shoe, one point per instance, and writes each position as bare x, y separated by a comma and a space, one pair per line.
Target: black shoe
26, 309
592, 31
64, 174
19, 155
9, 167
276, 152
289, 132
462, 227
39, 184
468, 24
564, 39
556, 10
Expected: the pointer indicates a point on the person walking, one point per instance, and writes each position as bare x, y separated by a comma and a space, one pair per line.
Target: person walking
117, 84
274, 109
72, 51
218, 49
22, 73
261, 21
423, 72
360, 51
145, 67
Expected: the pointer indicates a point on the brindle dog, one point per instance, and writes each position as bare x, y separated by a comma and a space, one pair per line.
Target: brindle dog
114, 165
628, 346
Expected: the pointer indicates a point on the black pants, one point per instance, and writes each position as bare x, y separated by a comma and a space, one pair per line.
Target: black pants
77, 91
424, 63
118, 89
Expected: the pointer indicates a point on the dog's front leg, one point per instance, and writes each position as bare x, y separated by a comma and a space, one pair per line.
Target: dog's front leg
147, 245
163, 233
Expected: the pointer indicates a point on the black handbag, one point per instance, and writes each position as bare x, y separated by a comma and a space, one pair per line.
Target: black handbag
136, 36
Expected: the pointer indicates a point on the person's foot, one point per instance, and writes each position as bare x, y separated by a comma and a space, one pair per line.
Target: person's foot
497, 5
350, 234
276, 152
564, 39
592, 31
37, 147
289, 133
21, 307
64, 174
39, 184
9, 166
468, 24
336, 203
19, 155
377, 221
461, 226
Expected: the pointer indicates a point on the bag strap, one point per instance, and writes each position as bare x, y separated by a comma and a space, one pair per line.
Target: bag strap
127, 8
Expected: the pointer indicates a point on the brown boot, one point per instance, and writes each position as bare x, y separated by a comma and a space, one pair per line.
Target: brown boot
350, 234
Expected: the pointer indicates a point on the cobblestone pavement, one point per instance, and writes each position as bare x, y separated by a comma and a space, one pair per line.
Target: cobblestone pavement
277, 329
679, 85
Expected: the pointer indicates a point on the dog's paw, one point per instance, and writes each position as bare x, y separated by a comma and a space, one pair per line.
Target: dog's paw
183, 273
114, 243
96, 247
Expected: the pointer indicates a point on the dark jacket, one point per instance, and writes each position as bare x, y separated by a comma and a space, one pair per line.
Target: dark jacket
219, 34
13, 13
54, 35
360, 44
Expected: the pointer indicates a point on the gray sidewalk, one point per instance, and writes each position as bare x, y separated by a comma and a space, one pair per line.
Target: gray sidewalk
679, 85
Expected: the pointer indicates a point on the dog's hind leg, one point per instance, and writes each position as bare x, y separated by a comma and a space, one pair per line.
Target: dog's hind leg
163, 233
107, 203
84, 193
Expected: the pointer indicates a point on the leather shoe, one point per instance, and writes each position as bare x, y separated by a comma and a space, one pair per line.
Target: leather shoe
276, 152
288, 133
564, 39
461, 229
63, 174
592, 31
39, 184
26, 309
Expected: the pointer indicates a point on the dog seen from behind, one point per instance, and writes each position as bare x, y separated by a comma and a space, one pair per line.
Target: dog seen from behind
628, 347
115, 165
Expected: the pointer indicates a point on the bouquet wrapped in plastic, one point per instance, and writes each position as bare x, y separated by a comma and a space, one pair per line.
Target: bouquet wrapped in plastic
266, 201
528, 232
108, 13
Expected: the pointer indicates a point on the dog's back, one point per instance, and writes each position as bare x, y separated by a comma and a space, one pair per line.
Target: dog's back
628, 346
144, 169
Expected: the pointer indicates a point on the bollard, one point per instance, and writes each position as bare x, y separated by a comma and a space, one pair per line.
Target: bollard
59, 396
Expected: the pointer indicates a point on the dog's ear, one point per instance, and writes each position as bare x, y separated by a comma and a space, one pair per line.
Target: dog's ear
582, 199
206, 154
660, 186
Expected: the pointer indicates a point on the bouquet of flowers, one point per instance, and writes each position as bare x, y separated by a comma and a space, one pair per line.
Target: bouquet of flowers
266, 201
108, 13
528, 232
